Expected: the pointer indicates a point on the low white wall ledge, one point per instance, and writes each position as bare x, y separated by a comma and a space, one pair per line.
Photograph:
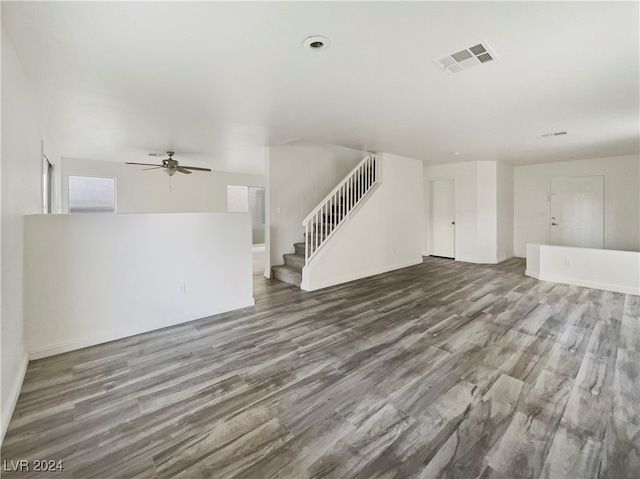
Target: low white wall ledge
95, 278
609, 270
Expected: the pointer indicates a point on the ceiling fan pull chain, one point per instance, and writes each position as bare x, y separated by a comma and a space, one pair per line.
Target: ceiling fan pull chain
169, 184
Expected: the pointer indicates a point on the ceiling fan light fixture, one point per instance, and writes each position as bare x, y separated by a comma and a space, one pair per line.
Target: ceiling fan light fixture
171, 171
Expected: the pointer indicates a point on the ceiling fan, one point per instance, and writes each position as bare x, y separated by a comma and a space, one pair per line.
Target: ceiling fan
170, 165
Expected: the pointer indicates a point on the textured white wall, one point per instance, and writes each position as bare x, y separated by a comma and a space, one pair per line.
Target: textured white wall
622, 200
97, 278
21, 194
300, 175
383, 234
148, 191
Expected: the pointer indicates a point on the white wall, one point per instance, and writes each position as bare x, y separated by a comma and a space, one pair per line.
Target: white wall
487, 213
21, 194
592, 268
505, 211
148, 191
622, 200
383, 234
480, 223
300, 175
96, 278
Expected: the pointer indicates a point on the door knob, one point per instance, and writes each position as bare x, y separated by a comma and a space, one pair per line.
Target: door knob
453, 222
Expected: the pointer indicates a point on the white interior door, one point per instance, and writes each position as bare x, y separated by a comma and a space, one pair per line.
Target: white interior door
577, 211
443, 218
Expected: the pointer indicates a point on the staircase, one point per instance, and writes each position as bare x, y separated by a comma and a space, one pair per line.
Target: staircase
291, 271
328, 216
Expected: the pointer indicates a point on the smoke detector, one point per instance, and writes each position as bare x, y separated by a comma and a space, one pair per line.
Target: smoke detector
467, 58
316, 43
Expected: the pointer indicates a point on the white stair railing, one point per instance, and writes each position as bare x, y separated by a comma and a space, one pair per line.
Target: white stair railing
325, 218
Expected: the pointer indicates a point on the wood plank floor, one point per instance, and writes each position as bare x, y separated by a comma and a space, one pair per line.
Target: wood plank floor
441, 370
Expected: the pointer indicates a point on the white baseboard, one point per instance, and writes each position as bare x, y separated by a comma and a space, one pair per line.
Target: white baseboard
8, 408
79, 343
361, 275
616, 288
532, 274
476, 260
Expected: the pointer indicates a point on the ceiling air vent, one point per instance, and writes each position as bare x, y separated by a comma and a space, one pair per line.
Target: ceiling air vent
556, 133
467, 58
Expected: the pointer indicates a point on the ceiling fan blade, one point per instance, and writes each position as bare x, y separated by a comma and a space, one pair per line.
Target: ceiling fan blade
195, 168
154, 168
159, 155
183, 170
143, 164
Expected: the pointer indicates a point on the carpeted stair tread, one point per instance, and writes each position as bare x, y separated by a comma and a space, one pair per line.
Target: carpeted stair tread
288, 274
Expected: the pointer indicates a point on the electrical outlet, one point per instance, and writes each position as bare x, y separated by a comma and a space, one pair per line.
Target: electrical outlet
182, 289
540, 214
568, 262
278, 210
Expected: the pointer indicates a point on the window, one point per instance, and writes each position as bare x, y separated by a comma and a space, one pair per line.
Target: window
90, 194
245, 199
237, 199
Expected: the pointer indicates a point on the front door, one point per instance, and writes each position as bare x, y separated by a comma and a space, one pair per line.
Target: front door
577, 211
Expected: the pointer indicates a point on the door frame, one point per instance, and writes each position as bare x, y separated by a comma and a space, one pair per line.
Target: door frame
604, 205
455, 226
48, 171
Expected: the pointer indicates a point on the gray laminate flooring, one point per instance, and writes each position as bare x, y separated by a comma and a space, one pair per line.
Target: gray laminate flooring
444, 369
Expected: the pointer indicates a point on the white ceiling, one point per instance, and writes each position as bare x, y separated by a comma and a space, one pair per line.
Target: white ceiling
219, 81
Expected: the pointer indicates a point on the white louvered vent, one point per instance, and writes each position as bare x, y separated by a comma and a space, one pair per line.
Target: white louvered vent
555, 133
467, 58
